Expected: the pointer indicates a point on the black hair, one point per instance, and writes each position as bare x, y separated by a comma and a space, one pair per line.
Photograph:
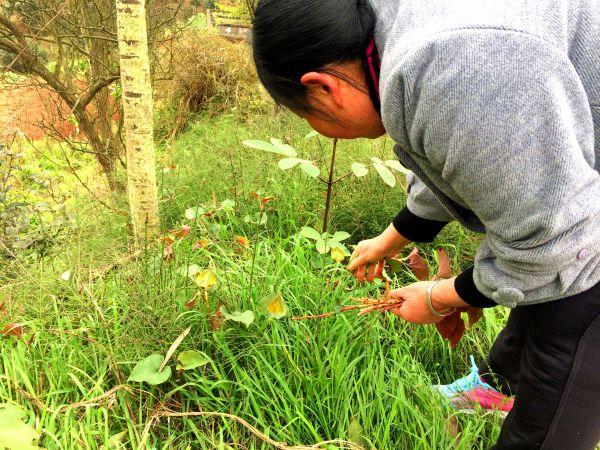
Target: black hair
293, 37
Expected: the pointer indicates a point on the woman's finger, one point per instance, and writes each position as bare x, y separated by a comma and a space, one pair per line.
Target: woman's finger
360, 273
356, 262
371, 272
380, 267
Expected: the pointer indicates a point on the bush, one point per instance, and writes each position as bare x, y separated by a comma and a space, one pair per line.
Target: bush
207, 72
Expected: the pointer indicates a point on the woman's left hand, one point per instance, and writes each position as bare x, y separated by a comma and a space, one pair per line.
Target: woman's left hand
415, 308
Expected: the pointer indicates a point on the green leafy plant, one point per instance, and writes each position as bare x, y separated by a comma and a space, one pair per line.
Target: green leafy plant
328, 243
14, 433
246, 318
385, 169
148, 371
273, 306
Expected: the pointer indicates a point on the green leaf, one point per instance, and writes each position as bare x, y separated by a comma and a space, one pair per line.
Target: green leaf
115, 441
274, 306
310, 169
227, 205
191, 359
246, 317
312, 134
146, 371
322, 248
354, 433
376, 160
395, 164
189, 271
394, 266
338, 254
286, 149
269, 147
359, 169
340, 236
14, 433
195, 212
310, 233
386, 174
289, 163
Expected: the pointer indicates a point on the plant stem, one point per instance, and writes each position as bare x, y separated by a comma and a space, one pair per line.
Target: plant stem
330, 183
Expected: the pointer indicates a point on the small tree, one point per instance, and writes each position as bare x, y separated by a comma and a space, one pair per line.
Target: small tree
138, 117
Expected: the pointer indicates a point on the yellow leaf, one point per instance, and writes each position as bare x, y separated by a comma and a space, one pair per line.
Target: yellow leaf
338, 254
273, 305
206, 279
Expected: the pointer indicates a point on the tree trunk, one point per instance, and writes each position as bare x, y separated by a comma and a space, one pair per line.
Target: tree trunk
138, 117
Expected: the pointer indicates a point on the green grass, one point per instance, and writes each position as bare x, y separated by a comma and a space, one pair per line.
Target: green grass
298, 382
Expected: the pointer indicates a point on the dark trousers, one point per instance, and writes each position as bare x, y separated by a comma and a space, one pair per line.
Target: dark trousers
549, 357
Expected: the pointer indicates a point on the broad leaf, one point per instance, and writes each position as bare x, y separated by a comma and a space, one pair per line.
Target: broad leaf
14, 433
322, 247
386, 174
206, 279
287, 149
289, 163
359, 169
269, 147
340, 236
418, 265
191, 359
189, 271
246, 317
395, 164
310, 233
310, 169
444, 270
338, 254
376, 160
228, 205
66, 276
195, 212
312, 134
146, 371
274, 306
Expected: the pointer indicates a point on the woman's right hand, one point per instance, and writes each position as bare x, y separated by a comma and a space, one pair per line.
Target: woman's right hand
369, 257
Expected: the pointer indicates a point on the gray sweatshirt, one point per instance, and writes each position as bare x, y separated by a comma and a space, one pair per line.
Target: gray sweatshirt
495, 106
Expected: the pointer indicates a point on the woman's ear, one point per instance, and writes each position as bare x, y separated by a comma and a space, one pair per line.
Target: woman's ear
329, 84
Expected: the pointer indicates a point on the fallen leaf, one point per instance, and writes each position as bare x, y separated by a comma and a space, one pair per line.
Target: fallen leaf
181, 233
418, 265
206, 279
201, 243
168, 253
246, 317
273, 305
66, 275
13, 329
242, 241
191, 359
216, 319
444, 271
146, 371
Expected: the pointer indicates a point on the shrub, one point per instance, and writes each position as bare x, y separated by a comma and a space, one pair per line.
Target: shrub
207, 72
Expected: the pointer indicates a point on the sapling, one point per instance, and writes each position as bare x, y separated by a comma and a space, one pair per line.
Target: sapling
291, 160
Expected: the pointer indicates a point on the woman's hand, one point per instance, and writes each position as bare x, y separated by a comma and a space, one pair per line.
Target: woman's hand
444, 300
370, 255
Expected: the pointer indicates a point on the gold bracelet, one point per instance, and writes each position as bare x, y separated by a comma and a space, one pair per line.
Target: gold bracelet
430, 306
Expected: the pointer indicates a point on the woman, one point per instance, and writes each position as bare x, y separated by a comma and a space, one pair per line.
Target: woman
495, 107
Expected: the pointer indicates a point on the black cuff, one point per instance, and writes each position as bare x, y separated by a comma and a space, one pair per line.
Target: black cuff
466, 289
415, 228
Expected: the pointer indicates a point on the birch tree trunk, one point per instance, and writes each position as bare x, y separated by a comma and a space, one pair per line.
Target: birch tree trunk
138, 117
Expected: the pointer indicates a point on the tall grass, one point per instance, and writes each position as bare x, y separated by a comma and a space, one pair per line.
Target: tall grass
297, 382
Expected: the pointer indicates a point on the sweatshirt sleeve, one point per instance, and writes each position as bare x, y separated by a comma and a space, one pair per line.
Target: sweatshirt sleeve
423, 217
505, 120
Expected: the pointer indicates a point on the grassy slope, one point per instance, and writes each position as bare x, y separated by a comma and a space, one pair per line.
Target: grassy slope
298, 382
